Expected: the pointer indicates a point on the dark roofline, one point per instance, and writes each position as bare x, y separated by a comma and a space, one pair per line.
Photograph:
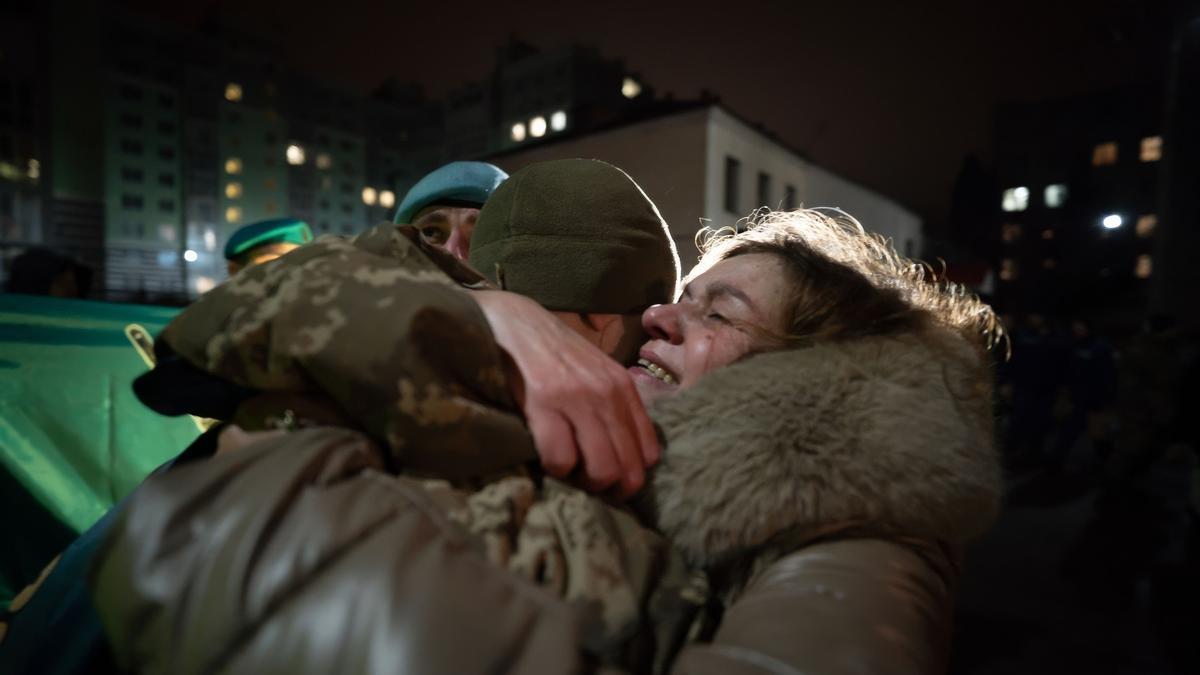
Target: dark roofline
668, 108
658, 110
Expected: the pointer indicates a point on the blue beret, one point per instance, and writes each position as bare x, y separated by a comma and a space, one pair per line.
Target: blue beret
466, 183
274, 231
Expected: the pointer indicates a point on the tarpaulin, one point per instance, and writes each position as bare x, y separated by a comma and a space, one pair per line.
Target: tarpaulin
73, 438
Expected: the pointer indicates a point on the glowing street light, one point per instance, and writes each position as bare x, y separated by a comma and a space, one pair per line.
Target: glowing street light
387, 199
518, 132
295, 155
369, 196
558, 121
190, 256
1111, 222
537, 127
630, 88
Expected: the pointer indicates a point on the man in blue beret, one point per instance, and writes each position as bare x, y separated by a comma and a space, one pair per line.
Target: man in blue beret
444, 205
265, 240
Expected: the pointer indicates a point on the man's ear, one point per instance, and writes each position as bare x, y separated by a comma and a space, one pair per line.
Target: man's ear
620, 335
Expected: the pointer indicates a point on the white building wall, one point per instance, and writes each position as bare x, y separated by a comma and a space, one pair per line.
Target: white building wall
664, 155
679, 160
730, 137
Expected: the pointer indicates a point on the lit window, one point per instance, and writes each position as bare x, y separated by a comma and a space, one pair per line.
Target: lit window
1047, 234
205, 284
1104, 154
233, 190
1151, 149
1015, 199
233, 92
387, 199
295, 155
1049, 263
233, 214
518, 132
1144, 266
326, 182
233, 165
210, 239
1010, 232
1145, 225
1112, 221
558, 121
630, 88
190, 255
1056, 195
324, 161
537, 127
1008, 269
35, 169
370, 196
166, 233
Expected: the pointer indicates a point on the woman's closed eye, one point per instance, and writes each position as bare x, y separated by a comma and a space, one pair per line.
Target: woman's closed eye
719, 318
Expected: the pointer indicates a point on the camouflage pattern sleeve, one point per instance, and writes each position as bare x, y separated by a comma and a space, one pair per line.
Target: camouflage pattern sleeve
377, 326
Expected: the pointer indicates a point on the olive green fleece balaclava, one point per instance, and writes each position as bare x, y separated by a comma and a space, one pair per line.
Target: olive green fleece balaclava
576, 235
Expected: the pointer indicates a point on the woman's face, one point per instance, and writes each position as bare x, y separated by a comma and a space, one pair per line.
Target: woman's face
712, 325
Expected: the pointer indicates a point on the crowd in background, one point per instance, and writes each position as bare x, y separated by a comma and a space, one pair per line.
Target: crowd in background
1109, 417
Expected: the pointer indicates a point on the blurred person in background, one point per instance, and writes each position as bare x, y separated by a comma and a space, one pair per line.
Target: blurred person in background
1036, 375
444, 205
1090, 387
263, 241
39, 271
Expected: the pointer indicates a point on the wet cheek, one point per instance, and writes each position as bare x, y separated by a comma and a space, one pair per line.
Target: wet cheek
699, 359
712, 352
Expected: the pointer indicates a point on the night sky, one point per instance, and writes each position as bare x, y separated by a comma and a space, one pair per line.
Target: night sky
890, 94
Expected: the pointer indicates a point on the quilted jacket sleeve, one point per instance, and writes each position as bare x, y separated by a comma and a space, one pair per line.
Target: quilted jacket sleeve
296, 555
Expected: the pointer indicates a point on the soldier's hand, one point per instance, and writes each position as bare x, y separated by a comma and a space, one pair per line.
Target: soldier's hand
581, 406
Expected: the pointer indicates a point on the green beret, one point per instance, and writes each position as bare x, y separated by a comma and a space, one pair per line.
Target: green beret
274, 231
576, 235
457, 183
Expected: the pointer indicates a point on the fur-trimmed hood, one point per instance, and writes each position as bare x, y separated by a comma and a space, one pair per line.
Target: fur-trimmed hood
883, 435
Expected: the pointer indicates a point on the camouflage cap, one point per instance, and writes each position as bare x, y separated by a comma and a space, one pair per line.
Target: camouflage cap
576, 235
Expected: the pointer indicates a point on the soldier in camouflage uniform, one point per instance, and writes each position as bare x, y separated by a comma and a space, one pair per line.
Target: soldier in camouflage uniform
379, 334
400, 302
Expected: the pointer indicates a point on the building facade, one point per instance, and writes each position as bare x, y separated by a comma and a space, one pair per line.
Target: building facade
703, 166
1077, 211
23, 129
157, 143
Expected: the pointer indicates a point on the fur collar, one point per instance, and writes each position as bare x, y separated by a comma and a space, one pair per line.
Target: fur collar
886, 435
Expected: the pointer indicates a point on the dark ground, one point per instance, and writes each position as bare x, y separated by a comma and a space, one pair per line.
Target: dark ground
1027, 607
